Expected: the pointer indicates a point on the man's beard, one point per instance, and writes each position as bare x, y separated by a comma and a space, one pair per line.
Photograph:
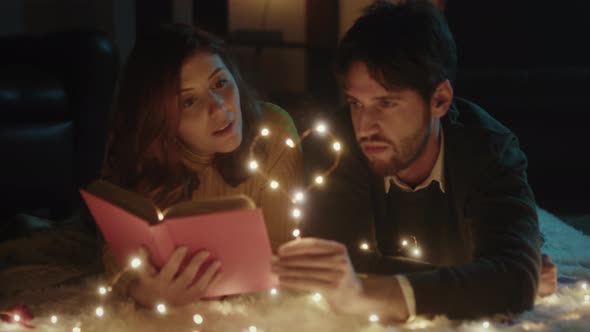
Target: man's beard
409, 150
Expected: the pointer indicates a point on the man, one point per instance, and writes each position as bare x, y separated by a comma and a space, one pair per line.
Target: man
426, 175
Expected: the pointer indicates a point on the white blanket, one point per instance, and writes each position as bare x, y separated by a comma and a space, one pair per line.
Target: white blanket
567, 310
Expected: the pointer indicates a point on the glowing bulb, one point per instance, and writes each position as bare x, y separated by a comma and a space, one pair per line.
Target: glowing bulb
404, 243
486, 324
584, 285
252, 328
253, 165
296, 213
264, 132
76, 329
319, 179
321, 128
587, 298
102, 290
336, 146
290, 143
99, 312
296, 233
373, 318
274, 184
54, 319
16, 318
364, 246
160, 216
299, 197
198, 319
417, 252
161, 308
135, 262
317, 297
274, 292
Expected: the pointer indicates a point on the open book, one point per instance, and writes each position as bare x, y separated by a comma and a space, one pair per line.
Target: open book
232, 229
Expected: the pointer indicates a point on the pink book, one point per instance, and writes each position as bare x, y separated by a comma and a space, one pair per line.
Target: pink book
230, 228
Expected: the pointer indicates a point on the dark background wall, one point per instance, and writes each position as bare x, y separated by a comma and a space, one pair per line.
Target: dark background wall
526, 62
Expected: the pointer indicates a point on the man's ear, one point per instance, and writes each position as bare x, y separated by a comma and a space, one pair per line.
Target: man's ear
441, 99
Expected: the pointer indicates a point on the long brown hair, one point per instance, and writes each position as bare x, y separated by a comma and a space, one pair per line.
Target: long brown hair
141, 154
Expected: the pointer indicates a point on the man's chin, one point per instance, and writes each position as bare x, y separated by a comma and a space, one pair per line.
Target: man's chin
382, 168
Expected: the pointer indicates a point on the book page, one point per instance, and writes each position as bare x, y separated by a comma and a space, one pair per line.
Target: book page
228, 203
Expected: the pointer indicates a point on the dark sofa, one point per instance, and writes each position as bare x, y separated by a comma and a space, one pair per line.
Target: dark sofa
55, 94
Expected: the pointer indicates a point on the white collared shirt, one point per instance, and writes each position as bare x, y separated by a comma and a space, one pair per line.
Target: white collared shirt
436, 174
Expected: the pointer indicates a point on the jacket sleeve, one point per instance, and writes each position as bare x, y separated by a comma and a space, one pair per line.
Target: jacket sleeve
504, 272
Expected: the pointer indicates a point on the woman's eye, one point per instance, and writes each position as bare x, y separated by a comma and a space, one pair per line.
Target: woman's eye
189, 102
222, 82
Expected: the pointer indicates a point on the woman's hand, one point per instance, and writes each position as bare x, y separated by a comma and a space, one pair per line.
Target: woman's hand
170, 287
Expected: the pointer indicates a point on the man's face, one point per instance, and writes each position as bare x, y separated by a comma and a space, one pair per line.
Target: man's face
392, 127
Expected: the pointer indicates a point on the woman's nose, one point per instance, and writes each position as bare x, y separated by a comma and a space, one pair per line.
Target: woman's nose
216, 104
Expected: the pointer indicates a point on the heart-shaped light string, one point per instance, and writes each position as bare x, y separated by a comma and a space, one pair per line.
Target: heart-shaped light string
298, 197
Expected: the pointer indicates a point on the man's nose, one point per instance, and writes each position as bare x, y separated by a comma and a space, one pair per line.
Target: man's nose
368, 123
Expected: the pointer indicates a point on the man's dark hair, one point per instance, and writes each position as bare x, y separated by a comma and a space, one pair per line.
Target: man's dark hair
407, 45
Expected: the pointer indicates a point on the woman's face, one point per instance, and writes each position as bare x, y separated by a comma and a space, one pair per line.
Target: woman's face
211, 118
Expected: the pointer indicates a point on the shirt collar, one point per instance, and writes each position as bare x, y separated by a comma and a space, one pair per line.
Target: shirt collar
436, 174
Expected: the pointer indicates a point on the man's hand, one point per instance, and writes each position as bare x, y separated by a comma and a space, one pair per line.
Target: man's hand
168, 285
548, 279
317, 265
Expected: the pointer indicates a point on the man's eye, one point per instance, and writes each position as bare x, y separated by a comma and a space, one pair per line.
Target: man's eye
388, 103
222, 82
354, 104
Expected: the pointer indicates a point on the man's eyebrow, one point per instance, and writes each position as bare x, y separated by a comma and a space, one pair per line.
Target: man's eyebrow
387, 97
212, 74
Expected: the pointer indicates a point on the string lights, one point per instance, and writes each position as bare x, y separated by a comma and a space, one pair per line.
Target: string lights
298, 197
409, 245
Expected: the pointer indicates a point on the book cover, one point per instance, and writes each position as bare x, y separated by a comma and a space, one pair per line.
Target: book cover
231, 229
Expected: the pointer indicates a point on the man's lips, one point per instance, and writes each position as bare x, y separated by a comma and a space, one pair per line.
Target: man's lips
374, 148
224, 129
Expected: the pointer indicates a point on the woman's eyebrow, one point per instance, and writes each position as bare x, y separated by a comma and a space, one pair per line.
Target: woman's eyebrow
218, 69
215, 72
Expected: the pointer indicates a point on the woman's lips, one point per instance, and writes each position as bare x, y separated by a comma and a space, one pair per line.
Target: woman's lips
224, 130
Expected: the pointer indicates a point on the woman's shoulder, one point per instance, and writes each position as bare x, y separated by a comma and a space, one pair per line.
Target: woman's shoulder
276, 118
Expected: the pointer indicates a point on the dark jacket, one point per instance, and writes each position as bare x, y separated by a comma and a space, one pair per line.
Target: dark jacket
493, 206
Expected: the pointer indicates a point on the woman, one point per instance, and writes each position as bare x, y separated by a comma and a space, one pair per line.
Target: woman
183, 125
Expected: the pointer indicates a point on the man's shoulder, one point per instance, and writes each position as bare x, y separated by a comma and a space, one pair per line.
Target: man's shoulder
474, 137
473, 118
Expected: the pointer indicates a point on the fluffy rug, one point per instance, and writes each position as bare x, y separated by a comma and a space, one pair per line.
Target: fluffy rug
75, 306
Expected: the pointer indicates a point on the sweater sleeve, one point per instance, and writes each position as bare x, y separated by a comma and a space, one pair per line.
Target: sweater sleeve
504, 273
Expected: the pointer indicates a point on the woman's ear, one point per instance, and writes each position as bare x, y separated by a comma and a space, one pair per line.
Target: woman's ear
441, 99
